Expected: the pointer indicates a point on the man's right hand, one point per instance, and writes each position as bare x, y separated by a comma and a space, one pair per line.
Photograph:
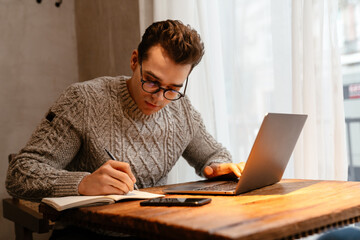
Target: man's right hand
112, 177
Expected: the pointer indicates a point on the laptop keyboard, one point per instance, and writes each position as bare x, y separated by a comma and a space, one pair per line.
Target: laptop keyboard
227, 186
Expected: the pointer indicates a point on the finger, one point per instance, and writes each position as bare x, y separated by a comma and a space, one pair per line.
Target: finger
100, 183
216, 169
208, 171
107, 180
220, 169
241, 166
235, 169
110, 189
125, 167
120, 186
121, 177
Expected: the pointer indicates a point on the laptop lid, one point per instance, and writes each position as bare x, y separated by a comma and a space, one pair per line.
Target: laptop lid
267, 160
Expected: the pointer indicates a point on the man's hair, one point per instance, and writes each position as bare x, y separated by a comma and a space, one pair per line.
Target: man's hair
182, 43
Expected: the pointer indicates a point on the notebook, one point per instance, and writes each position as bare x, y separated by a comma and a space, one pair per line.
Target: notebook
266, 163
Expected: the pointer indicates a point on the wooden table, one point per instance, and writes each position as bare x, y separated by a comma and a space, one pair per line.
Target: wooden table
289, 209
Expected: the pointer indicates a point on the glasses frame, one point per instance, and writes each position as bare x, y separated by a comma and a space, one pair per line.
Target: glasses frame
161, 88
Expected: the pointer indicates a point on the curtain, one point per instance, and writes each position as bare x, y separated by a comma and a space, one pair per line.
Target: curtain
317, 90
267, 56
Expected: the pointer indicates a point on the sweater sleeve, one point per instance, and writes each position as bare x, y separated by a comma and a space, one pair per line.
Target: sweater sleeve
39, 169
203, 149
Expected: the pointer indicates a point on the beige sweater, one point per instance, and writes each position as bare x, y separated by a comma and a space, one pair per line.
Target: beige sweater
90, 116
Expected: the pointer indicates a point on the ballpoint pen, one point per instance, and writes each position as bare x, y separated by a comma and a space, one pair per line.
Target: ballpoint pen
113, 158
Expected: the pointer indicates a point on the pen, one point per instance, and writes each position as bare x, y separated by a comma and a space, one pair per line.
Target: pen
113, 158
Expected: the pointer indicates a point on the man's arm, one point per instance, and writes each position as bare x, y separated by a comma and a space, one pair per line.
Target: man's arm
204, 153
209, 156
38, 170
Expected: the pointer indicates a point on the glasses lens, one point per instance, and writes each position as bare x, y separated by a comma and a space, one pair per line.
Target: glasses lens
150, 87
153, 87
172, 94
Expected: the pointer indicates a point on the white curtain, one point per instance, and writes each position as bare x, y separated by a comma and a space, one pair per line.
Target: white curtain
267, 56
317, 90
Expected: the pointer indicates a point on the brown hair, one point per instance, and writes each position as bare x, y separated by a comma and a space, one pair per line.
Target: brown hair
182, 43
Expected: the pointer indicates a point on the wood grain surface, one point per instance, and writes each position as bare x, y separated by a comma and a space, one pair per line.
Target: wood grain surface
286, 210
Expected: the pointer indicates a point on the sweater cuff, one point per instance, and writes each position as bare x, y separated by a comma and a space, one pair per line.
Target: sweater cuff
67, 184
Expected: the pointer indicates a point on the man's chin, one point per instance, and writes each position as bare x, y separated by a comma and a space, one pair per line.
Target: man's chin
149, 109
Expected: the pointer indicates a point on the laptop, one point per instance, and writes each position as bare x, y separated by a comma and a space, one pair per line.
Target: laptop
266, 163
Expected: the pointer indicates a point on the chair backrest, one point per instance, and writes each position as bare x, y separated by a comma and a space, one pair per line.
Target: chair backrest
25, 215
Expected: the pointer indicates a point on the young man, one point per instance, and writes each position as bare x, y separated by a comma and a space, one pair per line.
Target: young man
145, 121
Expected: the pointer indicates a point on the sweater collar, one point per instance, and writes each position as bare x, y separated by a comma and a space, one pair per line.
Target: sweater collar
129, 105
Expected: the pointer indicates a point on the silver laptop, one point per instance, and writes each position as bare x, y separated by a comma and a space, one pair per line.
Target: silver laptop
266, 163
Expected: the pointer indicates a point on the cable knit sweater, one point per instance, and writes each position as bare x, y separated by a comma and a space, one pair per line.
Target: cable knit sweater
90, 116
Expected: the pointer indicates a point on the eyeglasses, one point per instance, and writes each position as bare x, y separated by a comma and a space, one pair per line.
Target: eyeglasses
154, 87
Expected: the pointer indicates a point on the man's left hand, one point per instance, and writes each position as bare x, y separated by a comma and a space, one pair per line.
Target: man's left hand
218, 169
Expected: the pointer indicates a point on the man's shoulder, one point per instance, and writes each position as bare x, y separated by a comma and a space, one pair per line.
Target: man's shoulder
101, 86
100, 82
184, 108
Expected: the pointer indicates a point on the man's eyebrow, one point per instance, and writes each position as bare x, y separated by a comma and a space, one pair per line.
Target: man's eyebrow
153, 75
159, 79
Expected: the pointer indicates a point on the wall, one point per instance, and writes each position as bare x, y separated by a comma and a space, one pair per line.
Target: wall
107, 33
39, 58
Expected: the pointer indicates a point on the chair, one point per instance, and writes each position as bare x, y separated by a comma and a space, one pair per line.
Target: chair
25, 215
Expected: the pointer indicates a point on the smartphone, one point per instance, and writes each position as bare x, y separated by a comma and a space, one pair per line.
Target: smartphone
188, 202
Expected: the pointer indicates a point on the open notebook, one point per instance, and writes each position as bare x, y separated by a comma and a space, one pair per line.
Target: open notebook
267, 160
62, 203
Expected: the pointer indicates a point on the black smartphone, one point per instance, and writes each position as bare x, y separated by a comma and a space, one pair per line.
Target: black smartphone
189, 202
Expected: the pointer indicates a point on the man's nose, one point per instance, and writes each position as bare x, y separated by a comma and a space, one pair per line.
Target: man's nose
159, 95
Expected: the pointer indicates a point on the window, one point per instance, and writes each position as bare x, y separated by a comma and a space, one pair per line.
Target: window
349, 42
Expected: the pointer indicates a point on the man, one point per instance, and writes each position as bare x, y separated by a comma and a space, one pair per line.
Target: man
146, 122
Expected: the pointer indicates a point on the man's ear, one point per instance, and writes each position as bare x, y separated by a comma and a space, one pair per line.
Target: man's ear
134, 60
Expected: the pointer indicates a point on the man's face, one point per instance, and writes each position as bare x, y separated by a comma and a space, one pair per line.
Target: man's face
158, 67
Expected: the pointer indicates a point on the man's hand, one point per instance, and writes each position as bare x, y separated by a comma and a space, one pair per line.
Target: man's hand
216, 169
112, 177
